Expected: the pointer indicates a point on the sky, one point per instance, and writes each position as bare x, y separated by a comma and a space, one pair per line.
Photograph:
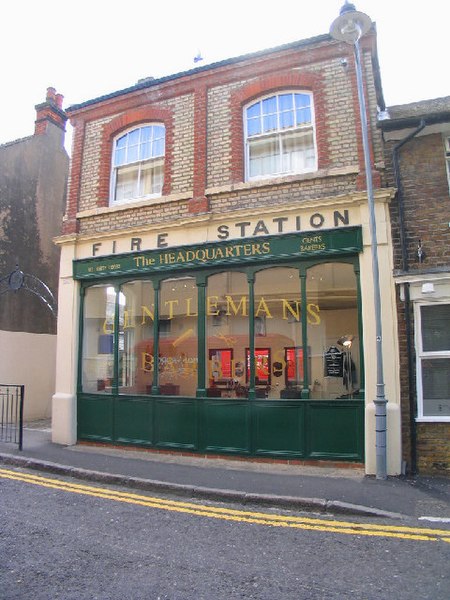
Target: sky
89, 48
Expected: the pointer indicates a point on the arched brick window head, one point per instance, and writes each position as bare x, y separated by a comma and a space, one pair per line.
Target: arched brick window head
136, 156
279, 89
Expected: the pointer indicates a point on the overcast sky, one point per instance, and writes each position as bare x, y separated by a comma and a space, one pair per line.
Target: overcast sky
88, 48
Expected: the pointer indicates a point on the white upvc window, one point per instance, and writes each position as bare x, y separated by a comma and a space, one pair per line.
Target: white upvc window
138, 164
447, 157
433, 361
279, 136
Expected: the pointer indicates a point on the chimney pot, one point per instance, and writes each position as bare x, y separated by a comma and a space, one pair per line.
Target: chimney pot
51, 94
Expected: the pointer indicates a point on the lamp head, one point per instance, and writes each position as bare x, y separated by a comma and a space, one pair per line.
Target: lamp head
351, 25
346, 341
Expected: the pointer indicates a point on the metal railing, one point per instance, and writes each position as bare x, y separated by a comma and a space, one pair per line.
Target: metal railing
11, 413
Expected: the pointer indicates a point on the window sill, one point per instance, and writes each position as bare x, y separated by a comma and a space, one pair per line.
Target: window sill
92, 212
433, 419
272, 181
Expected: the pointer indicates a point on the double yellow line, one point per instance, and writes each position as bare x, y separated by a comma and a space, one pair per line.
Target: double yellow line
228, 514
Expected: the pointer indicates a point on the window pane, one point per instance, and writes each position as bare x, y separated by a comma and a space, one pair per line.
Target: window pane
253, 127
136, 358
98, 339
120, 156
270, 114
133, 154
287, 119
158, 147
269, 105
178, 343
151, 179
227, 334
146, 134
303, 116
298, 152
278, 334
270, 123
126, 183
332, 328
254, 111
285, 101
133, 137
436, 387
264, 157
435, 327
145, 150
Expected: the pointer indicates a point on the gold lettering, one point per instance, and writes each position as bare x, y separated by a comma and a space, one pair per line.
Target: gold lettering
242, 305
146, 312
147, 362
313, 314
262, 307
108, 326
188, 308
211, 305
127, 319
291, 306
171, 304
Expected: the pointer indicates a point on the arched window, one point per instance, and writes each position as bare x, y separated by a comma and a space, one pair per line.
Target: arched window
279, 135
138, 164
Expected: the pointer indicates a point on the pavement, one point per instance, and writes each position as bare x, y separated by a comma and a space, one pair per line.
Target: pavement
318, 489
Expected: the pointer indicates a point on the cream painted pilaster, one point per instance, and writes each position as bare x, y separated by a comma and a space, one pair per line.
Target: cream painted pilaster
64, 401
390, 337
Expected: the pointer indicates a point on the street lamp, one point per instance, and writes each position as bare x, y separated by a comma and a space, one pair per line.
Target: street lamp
349, 27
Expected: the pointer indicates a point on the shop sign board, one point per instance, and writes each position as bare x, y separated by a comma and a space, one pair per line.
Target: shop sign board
237, 252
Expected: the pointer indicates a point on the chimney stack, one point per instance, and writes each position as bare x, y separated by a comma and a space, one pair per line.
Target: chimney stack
50, 111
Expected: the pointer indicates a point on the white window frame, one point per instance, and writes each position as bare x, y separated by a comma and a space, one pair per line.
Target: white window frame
447, 157
278, 134
141, 164
422, 355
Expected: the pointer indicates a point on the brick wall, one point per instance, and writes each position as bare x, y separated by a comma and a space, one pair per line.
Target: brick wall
204, 136
426, 216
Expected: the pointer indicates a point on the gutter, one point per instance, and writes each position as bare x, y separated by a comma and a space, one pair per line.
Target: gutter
405, 268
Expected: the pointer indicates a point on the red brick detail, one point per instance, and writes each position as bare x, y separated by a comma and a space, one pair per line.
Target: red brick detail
361, 183
123, 122
71, 226
200, 152
75, 176
306, 81
198, 205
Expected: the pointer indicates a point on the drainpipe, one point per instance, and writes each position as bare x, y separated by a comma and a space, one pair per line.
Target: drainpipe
405, 267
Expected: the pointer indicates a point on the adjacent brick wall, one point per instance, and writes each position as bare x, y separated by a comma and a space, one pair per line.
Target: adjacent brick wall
426, 204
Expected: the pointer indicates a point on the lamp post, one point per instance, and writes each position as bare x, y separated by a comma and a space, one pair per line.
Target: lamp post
349, 27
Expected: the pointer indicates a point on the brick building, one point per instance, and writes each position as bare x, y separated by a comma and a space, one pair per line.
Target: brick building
417, 148
33, 181
216, 283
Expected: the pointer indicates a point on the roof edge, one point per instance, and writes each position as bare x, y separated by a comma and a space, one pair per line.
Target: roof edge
230, 61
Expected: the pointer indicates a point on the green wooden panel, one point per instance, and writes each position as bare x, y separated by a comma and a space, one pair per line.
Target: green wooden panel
95, 417
225, 426
176, 423
335, 430
278, 428
133, 420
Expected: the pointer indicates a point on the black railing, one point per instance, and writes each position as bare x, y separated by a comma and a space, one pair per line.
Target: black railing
11, 413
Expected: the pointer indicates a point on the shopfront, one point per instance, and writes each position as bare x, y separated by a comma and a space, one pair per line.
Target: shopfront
250, 347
